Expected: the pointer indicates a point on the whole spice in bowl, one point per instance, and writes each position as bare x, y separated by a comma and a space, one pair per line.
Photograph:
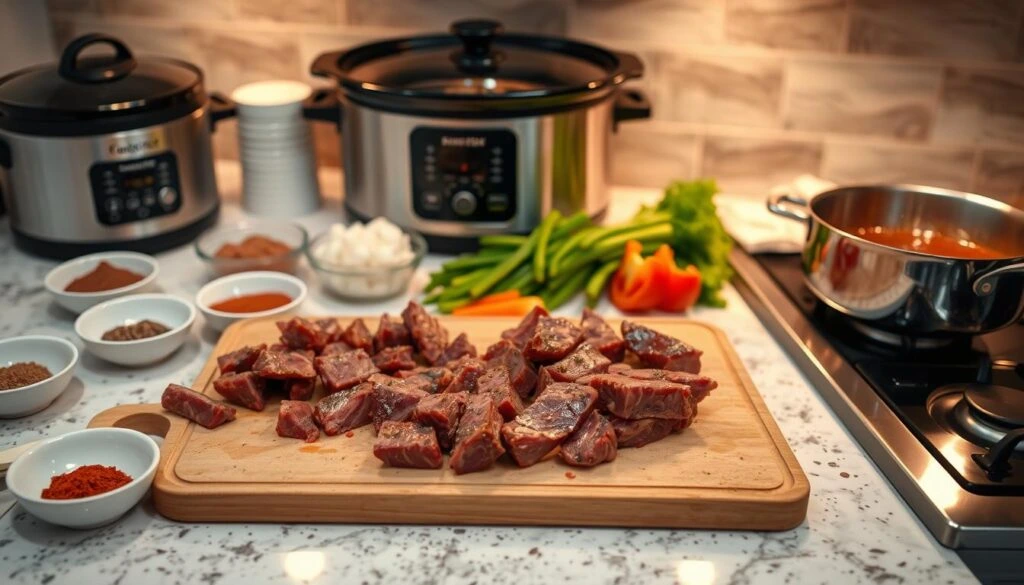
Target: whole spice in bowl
22, 374
104, 277
139, 330
85, 481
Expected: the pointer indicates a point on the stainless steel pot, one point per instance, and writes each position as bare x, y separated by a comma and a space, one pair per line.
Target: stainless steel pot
895, 292
477, 132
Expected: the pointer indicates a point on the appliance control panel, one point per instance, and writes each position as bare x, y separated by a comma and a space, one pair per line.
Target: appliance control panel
134, 190
463, 175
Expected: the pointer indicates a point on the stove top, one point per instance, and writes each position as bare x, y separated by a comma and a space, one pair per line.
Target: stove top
942, 419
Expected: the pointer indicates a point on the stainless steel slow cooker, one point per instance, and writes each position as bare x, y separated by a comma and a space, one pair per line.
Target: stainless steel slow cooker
107, 152
477, 132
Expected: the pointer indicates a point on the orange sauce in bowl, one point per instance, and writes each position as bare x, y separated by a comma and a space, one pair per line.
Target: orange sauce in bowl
931, 242
253, 303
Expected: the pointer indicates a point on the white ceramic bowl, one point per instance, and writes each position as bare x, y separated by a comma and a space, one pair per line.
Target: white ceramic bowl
247, 283
273, 99
58, 355
130, 451
61, 276
173, 312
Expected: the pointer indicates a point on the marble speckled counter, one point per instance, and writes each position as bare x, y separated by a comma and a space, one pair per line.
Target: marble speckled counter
858, 530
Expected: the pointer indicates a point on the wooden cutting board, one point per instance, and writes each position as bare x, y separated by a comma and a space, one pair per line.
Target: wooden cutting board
732, 469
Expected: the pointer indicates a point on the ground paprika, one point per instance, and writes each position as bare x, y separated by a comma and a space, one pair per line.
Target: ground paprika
85, 481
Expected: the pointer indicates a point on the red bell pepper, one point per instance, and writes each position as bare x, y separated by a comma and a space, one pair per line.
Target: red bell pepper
655, 282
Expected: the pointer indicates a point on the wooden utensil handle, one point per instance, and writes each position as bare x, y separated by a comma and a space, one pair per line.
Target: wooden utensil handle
151, 419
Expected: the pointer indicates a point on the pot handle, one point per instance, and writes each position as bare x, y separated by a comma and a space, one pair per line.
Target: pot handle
323, 105
122, 65
221, 107
326, 65
631, 104
788, 206
630, 65
983, 285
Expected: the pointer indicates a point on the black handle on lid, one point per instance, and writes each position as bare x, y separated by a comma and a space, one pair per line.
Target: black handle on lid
476, 36
95, 71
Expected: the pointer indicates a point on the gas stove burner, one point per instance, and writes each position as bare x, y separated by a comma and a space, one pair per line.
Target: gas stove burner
1002, 404
980, 413
900, 341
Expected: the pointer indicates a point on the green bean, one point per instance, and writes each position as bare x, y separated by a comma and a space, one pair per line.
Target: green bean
661, 232
567, 247
647, 249
518, 280
559, 296
540, 255
504, 268
598, 280
503, 240
619, 230
450, 305
470, 262
570, 224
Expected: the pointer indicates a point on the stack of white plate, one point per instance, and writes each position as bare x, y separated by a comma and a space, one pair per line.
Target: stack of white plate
276, 149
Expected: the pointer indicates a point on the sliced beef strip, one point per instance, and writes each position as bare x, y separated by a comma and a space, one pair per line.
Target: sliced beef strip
478, 439
658, 350
358, 336
553, 339
430, 380
393, 359
631, 398
586, 360
428, 335
345, 410
344, 370
284, 365
390, 332
406, 444
299, 333
393, 399
336, 348
196, 407
556, 413
521, 334
442, 413
459, 348
640, 432
300, 388
466, 375
295, 420
700, 385
494, 382
593, 443
331, 329
598, 333
245, 389
240, 360
520, 372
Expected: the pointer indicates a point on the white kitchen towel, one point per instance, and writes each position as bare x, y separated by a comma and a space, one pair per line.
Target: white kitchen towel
756, 229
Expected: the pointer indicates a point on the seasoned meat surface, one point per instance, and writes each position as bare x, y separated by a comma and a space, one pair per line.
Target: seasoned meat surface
466, 374
407, 444
658, 350
640, 432
584, 361
331, 329
430, 380
393, 399
699, 384
521, 334
478, 439
556, 413
553, 339
460, 347
358, 336
520, 372
240, 360
346, 409
345, 370
392, 359
598, 333
494, 382
442, 413
390, 332
428, 335
300, 388
245, 389
593, 443
295, 420
283, 365
336, 347
196, 407
631, 398
299, 333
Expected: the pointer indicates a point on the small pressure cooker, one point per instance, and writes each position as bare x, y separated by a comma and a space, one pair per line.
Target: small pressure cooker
107, 151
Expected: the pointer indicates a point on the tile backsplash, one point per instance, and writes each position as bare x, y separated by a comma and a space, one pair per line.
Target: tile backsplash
750, 92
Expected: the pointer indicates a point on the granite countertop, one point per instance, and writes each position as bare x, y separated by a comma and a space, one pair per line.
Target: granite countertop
858, 530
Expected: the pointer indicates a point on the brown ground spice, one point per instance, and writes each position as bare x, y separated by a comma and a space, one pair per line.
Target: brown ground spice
22, 374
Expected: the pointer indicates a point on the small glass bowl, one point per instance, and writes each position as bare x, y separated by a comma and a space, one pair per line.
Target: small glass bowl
367, 283
291, 234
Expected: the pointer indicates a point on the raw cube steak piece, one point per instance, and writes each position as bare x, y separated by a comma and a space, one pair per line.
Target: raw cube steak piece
430, 380
336, 348
658, 350
300, 333
466, 376
406, 444
358, 336
553, 339
392, 359
478, 440
520, 372
428, 335
640, 432
240, 360
393, 399
300, 388
631, 398
295, 420
245, 389
390, 333
599, 334
459, 348
495, 383
521, 334
584, 361
345, 370
331, 329
196, 407
441, 412
556, 413
591, 444
284, 365
345, 410
700, 385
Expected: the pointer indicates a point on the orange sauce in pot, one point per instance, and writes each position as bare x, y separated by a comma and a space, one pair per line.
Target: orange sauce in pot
931, 242
253, 303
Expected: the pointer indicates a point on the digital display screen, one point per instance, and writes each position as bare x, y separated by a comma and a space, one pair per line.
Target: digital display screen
462, 161
137, 181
